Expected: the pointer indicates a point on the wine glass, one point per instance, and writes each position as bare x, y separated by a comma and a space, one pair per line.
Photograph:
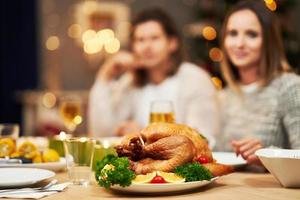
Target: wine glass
162, 111
70, 111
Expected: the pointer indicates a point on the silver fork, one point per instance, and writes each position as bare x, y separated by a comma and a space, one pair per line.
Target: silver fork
43, 188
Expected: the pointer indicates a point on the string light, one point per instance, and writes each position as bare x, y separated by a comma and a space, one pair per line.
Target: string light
74, 31
88, 35
209, 33
112, 46
215, 54
52, 43
271, 5
49, 100
217, 82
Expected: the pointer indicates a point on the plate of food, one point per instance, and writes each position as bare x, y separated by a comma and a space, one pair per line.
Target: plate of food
27, 155
15, 177
163, 188
163, 157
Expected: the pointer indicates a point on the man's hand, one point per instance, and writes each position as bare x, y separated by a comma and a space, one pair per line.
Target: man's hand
117, 65
246, 148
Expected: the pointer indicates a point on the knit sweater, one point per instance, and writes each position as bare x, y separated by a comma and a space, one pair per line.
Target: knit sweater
271, 114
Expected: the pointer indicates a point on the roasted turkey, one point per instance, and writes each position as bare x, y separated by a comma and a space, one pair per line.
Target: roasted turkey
164, 146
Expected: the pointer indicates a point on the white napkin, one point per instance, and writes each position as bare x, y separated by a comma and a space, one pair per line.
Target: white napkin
29, 193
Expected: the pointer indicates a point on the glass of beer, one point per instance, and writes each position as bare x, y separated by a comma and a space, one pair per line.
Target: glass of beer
70, 112
162, 111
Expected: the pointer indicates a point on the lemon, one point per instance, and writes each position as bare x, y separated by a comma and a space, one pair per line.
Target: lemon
15, 154
171, 177
37, 158
26, 148
31, 154
144, 178
50, 155
7, 147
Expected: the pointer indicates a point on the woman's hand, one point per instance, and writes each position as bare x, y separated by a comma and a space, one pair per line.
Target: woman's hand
127, 127
246, 148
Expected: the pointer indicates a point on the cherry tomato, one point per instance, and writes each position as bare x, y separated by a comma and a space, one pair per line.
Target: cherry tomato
202, 159
158, 179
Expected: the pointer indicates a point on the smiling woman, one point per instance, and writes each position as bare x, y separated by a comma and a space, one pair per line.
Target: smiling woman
261, 107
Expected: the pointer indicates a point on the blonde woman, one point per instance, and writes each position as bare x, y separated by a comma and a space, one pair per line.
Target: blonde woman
261, 105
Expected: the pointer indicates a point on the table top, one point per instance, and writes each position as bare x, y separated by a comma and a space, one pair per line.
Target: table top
238, 185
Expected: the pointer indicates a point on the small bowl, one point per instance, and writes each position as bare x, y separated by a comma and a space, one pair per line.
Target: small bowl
283, 164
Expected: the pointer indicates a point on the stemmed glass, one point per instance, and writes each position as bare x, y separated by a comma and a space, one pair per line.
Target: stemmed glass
70, 108
162, 111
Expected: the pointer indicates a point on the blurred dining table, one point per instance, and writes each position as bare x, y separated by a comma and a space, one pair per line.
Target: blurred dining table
238, 185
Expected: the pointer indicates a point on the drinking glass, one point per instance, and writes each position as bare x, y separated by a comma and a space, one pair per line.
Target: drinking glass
70, 111
79, 154
162, 111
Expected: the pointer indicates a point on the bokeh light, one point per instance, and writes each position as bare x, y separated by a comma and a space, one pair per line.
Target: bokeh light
74, 31
271, 5
92, 46
49, 100
209, 33
105, 35
52, 43
88, 35
113, 46
217, 82
78, 119
215, 54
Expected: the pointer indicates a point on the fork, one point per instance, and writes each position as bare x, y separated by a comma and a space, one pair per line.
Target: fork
42, 188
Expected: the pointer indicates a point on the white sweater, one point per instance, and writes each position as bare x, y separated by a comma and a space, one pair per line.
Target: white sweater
191, 90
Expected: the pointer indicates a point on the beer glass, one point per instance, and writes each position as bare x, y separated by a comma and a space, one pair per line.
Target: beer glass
162, 111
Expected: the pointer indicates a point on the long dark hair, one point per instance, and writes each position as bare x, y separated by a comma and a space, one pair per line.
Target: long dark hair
273, 60
170, 29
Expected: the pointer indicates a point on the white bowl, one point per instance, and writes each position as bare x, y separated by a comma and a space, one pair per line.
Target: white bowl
283, 164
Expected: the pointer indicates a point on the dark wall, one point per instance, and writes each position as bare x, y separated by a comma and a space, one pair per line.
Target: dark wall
18, 55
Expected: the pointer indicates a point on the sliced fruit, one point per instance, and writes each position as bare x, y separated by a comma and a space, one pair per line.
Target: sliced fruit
7, 147
50, 155
37, 158
26, 148
171, 177
144, 178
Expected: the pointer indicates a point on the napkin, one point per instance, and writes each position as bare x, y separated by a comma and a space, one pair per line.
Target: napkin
30, 193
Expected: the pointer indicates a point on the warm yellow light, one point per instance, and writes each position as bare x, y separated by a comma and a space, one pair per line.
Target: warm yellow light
105, 35
271, 6
74, 31
88, 35
62, 135
49, 100
217, 82
216, 54
83, 139
92, 46
52, 43
209, 33
78, 119
113, 46
269, 1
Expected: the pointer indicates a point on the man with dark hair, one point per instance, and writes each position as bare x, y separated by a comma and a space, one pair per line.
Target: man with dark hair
152, 70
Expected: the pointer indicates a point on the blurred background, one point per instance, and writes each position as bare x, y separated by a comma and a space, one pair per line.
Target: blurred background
53, 48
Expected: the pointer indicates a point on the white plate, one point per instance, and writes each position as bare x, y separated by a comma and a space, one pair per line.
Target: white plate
148, 188
14, 177
53, 166
229, 158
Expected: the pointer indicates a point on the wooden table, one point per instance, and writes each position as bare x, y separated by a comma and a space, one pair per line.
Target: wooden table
238, 185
